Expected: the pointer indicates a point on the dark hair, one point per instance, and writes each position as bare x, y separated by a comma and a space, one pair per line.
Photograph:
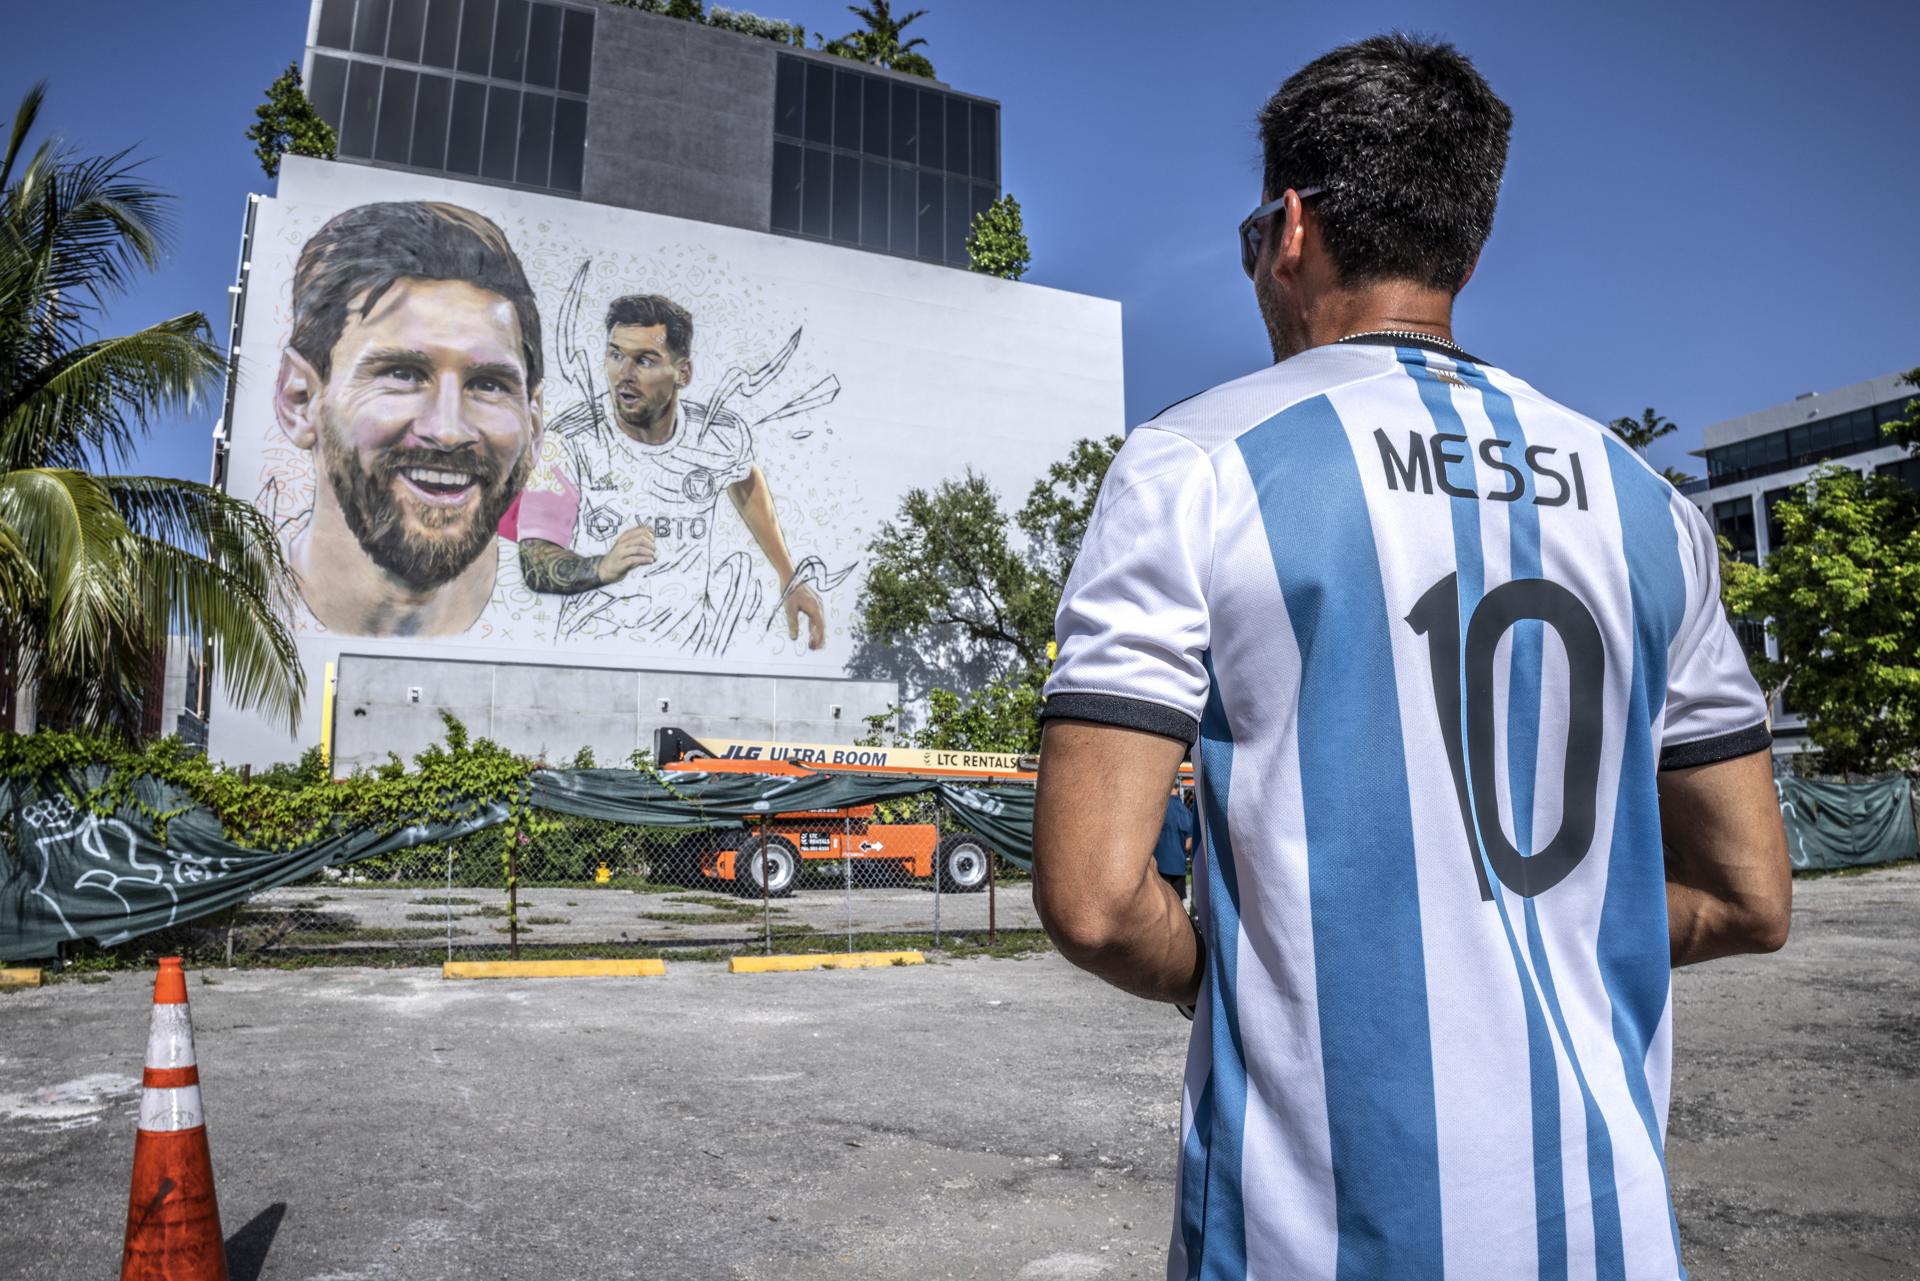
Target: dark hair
368, 248
1408, 143
652, 309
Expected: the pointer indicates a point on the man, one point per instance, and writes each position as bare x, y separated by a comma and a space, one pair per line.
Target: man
1457, 667
413, 373
621, 513
1174, 844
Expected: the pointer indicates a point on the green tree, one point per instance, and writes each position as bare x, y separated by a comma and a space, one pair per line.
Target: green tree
286, 122
96, 567
1841, 596
1906, 431
1638, 434
997, 241
956, 599
880, 41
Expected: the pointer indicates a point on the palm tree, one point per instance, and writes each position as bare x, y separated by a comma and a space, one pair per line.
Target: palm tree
881, 43
1638, 434
96, 567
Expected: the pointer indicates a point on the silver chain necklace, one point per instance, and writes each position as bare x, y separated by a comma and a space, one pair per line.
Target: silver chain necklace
1415, 335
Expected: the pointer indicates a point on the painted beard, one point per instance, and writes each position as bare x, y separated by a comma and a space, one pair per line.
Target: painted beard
422, 545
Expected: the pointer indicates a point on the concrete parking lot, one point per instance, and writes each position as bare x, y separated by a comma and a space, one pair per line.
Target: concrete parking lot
984, 1119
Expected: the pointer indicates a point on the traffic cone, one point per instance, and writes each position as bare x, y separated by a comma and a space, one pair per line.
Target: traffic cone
173, 1217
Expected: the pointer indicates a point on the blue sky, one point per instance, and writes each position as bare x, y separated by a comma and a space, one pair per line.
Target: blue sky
1708, 208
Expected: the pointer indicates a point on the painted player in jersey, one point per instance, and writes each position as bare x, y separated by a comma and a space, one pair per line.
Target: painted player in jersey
621, 512
413, 374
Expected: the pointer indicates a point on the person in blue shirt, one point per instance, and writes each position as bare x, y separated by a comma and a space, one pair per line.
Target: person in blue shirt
1176, 841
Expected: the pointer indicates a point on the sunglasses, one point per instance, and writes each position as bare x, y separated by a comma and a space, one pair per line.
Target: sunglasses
1250, 226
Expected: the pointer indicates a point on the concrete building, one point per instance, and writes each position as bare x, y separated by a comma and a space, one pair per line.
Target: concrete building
1756, 460
811, 214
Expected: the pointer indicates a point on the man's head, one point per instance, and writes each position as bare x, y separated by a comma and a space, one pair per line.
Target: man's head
649, 358
414, 371
1406, 144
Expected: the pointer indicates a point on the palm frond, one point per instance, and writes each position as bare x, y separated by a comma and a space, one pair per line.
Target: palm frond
234, 535
24, 117
253, 648
81, 550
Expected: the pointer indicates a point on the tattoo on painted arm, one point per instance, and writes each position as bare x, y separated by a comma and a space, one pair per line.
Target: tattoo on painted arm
549, 567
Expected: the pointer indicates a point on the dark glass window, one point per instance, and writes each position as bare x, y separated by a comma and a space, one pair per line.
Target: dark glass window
357, 117
933, 129
1894, 411
906, 123
430, 110
336, 25
1904, 470
903, 217
393, 142
846, 109
873, 204
959, 136
959, 218
816, 189
789, 98
406, 29
499, 148
370, 29
786, 186
933, 216
846, 199
982, 196
576, 52
819, 103
464, 130
328, 88
543, 46
536, 139
569, 144
986, 143
1733, 521
510, 40
441, 43
874, 116
476, 36
1772, 500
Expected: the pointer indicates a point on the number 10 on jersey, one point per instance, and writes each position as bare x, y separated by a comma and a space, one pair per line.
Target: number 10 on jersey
1463, 696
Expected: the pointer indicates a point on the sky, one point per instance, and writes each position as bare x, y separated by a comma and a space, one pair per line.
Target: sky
1708, 208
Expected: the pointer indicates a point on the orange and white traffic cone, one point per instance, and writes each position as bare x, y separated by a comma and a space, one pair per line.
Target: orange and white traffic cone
173, 1217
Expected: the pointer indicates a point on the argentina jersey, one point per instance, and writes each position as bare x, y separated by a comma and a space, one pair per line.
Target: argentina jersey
1435, 636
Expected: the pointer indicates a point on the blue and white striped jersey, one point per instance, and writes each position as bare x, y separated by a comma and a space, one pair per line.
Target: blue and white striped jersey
1435, 635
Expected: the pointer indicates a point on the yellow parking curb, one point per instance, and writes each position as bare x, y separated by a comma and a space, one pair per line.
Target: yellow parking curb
824, 961
552, 969
19, 978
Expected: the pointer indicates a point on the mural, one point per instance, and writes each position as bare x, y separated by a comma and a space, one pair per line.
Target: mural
447, 480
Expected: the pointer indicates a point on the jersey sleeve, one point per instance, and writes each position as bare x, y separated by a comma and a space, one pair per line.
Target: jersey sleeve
1133, 620
550, 503
1715, 710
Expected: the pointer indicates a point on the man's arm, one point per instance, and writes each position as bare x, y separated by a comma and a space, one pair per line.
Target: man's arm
753, 499
548, 567
1729, 883
1101, 796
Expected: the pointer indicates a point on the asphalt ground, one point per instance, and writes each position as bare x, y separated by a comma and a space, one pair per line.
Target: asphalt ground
981, 1119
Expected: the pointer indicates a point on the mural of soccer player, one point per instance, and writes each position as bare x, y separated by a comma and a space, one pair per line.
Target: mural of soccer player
620, 514
413, 374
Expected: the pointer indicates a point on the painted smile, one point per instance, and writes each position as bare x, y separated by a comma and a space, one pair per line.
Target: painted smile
439, 487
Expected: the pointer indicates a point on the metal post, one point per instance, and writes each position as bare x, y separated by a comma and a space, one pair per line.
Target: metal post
513, 896
936, 874
449, 902
766, 897
846, 858
993, 924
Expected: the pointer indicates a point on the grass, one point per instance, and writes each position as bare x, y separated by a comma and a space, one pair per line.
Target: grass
545, 920
435, 916
366, 934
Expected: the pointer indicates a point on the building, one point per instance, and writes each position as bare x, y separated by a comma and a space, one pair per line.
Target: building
1755, 461
807, 212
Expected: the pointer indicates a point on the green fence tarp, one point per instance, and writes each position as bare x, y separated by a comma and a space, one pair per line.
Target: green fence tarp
74, 875
1833, 824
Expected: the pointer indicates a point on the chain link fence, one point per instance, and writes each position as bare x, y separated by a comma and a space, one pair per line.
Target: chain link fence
899, 874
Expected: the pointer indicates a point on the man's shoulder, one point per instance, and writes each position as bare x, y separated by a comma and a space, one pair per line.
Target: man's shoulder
1220, 415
